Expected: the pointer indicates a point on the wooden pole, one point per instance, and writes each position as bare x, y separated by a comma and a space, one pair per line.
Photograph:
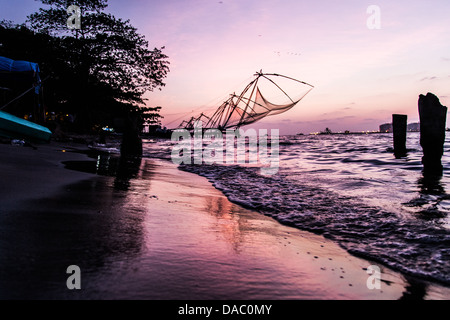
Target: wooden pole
131, 141
433, 118
399, 126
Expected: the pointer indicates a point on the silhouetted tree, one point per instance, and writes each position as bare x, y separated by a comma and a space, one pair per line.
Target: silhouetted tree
151, 116
107, 65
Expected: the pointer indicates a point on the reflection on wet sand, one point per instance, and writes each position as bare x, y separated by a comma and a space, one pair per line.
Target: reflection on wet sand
233, 223
147, 231
242, 228
86, 224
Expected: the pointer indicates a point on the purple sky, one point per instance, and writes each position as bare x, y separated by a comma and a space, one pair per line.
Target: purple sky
361, 76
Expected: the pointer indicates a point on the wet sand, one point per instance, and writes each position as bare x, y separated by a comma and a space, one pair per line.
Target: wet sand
147, 230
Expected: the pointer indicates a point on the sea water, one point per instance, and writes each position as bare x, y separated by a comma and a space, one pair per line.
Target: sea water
353, 190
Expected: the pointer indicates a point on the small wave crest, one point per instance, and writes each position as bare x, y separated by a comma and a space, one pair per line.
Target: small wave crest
413, 246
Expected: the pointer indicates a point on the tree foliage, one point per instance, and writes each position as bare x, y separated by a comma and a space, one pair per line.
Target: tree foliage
105, 67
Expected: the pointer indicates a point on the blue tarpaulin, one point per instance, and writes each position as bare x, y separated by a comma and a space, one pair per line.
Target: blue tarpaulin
10, 65
10, 125
17, 66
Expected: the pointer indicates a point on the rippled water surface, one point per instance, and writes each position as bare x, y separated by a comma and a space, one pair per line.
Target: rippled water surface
353, 190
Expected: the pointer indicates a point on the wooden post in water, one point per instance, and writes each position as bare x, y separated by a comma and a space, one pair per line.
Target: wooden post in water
131, 141
433, 117
399, 126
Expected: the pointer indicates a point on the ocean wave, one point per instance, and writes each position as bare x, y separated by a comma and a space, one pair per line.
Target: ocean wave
349, 188
413, 246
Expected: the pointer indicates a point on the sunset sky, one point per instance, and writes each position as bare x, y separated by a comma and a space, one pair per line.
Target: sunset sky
361, 75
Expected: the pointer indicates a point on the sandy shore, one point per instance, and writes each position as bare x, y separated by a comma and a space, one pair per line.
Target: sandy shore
149, 231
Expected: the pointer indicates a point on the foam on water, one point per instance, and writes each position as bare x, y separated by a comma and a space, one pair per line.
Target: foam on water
350, 189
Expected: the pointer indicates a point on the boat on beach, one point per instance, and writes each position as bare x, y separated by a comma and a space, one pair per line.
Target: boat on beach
18, 128
12, 126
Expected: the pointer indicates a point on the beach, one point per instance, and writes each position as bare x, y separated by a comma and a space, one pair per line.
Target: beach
146, 230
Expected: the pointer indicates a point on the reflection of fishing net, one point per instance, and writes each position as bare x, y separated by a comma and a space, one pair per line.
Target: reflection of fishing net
251, 106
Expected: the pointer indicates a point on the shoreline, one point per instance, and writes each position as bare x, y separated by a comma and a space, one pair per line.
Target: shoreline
156, 232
